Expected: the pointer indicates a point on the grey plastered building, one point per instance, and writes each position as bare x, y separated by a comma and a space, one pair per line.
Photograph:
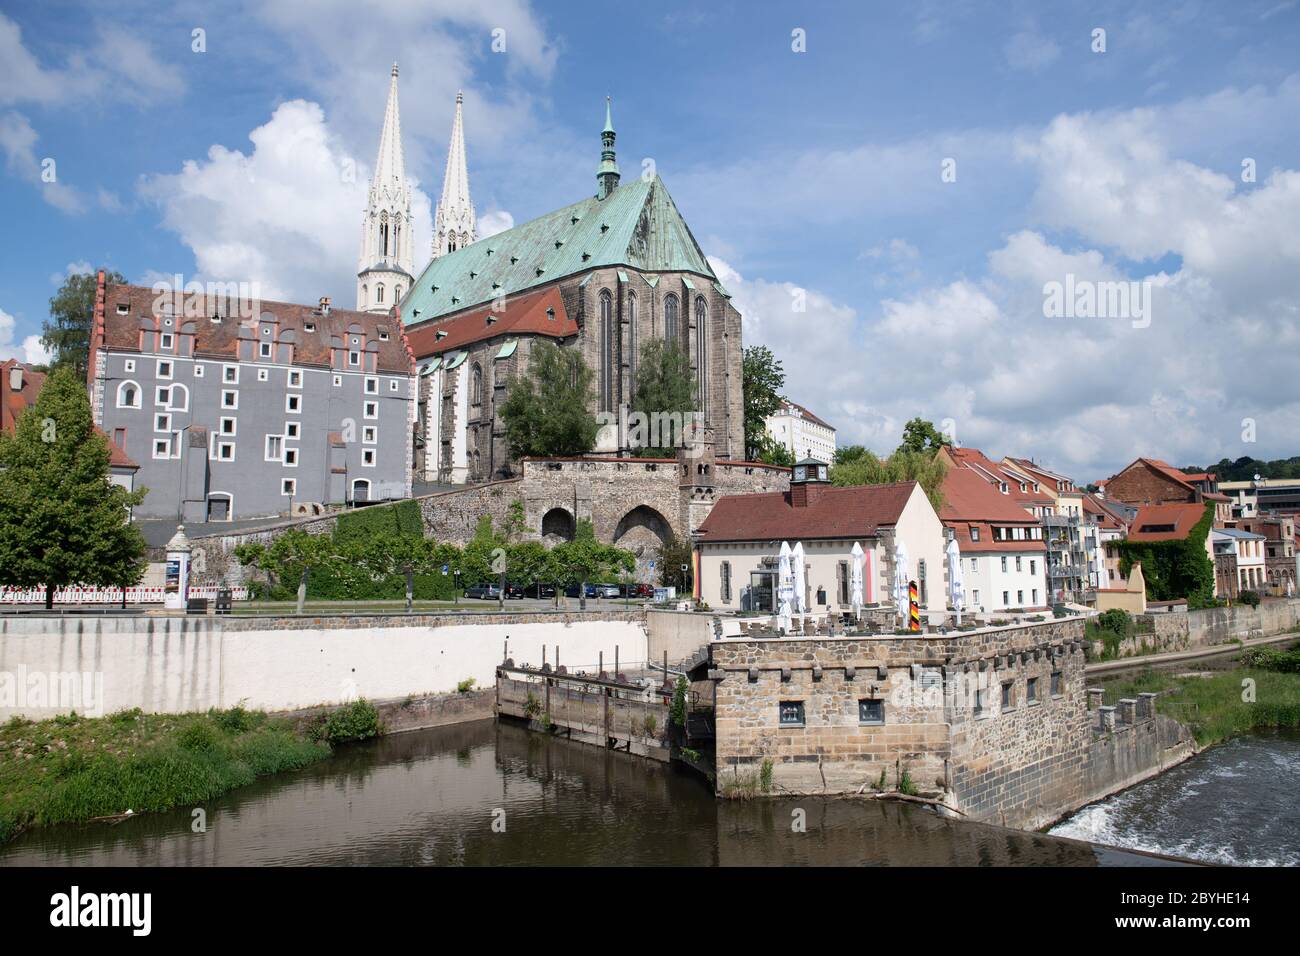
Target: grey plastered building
239, 408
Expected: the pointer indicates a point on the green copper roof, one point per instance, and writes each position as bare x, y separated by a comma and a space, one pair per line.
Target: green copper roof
508, 349
637, 225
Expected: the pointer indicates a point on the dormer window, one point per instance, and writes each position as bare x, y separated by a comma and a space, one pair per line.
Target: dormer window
383, 335
123, 308
309, 327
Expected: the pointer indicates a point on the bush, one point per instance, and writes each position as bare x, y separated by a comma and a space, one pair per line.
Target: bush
357, 721
465, 686
1115, 620
1250, 598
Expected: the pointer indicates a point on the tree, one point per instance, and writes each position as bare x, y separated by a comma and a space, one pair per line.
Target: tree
585, 559
903, 465
476, 557
762, 379
673, 554
665, 391
547, 412
405, 554
72, 316
772, 452
62, 521
920, 435
847, 454
296, 554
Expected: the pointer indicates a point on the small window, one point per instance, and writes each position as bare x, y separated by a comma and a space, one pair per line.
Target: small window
291, 458
295, 378
383, 333
371, 410
980, 701
1006, 598
290, 429
293, 404
369, 434
1008, 697
229, 398
263, 375
162, 447
368, 457
226, 450
162, 423
274, 448
128, 395
123, 309
392, 386
309, 326
791, 713
372, 386
264, 349
164, 369
1056, 683
289, 486
167, 340
871, 712
354, 358
338, 381
230, 374
228, 426
198, 370
1031, 689
162, 396
128, 366
974, 534
1020, 599
1004, 564
1017, 562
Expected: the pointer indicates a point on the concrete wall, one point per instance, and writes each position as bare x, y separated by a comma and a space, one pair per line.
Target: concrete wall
174, 665
681, 633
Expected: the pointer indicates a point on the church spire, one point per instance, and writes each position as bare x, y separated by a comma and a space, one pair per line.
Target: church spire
454, 223
384, 265
607, 173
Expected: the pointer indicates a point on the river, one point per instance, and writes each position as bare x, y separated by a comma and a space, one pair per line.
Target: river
431, 798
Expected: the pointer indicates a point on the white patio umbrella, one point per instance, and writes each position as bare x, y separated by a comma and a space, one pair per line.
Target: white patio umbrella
799, 574
784, 587
901, 597
956, 589
856, 559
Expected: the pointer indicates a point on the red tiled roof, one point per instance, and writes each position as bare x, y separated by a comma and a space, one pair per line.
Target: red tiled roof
1106, 518
804, 413
1180, 516
525, 314
971, 501
13, 404
117, 458
858, 511
220, 339
976, 460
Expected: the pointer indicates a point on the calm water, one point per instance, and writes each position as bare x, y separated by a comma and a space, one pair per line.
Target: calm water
427, 798
1237, 803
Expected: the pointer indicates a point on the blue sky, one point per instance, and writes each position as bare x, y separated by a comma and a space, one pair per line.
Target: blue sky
811, 178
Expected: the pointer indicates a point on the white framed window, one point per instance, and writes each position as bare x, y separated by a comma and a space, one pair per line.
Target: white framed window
229, 426
338, 381
264, 349
230, 374
371, 410
178, 398
369, 435
128, 395
291, 430
162, 422
198, 370
164, 369
168, 341
229, 398
176, 444
392, 386
372, 386
291, 458
354, 358
128, 366
162, 447
123, 309
225, 451
289, 486
274, 448
368, 457
295, 378
293, 404
162, 395
263, 375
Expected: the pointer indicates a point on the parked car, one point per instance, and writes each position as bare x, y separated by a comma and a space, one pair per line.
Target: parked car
514, 592
540, 590
636, 590
608, 590
572, 590
488, 592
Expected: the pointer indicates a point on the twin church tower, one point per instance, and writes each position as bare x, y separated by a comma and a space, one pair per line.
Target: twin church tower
385, 268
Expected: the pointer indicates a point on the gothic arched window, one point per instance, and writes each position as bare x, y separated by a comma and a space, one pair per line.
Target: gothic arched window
383, 234
379, 292
451, 242
606, 351
702, 351
670, 318
397, 294
476, 386
631, 336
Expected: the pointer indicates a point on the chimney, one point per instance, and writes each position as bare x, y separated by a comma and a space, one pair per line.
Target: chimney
16, 378
803, 494
324, 305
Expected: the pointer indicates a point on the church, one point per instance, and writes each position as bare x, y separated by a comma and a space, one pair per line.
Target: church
605, 276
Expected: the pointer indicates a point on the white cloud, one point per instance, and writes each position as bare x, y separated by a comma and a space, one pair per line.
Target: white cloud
29, 350
80, 267
1029, 50
493, 222
286, 215
18, 142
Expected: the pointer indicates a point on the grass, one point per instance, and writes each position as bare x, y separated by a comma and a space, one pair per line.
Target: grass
1212, 707
72, 768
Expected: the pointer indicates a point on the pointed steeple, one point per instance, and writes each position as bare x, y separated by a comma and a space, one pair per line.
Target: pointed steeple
454, 224
384, 265
607, 173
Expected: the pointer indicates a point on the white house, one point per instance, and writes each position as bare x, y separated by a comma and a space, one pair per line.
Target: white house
802, 433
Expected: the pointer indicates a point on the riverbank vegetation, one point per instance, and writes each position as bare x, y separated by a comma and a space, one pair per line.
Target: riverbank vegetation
1222, 705
73, 768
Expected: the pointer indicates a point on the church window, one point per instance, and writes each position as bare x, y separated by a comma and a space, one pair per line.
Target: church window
383, 235
476, 386
606, 351
379, 292
670, 317
631, 333
128, 395
702, 352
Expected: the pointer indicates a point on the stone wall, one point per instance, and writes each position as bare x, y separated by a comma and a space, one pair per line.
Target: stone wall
680, 634
1181, 630
587, 712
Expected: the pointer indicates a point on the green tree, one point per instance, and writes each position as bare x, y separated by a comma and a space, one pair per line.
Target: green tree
772, 452
847, 454
62, 521
527, 563
404, 554
295, 554
903, 465
673, 554
762, 379
547, 412
476, 557
584, 559
665, 391
72, 315
920, 435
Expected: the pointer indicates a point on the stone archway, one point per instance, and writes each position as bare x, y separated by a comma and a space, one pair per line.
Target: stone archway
558, 525
643, 531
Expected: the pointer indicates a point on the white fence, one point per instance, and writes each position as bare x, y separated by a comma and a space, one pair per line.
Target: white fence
139, 595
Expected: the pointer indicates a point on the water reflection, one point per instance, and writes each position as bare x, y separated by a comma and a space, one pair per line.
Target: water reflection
430, 798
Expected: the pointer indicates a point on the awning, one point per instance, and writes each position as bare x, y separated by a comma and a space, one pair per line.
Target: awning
508, 349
